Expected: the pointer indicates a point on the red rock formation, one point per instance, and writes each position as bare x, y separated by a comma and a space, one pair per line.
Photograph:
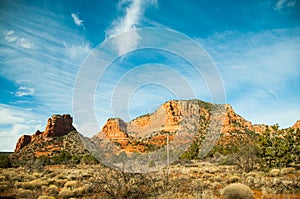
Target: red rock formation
296, 125
114, 129
58, 125
22, 141
171, 117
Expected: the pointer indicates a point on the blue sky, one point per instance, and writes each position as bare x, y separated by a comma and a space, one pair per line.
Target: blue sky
255, 46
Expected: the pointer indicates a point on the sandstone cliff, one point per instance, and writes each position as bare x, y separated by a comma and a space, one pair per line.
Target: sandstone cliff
177, 116
58, 125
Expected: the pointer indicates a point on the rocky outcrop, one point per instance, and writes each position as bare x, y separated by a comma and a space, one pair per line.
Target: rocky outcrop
22, 141
58, 125
177, 116
296, 125
115, 128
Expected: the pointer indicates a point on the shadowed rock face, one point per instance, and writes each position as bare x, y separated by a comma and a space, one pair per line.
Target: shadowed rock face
58, 125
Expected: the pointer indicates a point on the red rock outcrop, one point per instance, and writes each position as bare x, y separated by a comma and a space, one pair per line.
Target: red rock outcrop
177, 115
296, 125
58, 125
22, 141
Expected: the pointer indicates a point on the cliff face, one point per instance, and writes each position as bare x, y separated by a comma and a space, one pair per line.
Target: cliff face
175, 116
58, 125
23, 141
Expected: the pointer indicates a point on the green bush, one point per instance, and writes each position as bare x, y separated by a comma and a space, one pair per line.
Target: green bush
237, 191
88, 159
191, 153
62, 158
279, 148
4, 161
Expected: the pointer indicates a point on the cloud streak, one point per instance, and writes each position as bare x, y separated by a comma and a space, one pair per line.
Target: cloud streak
77, 21
260, 71
24, 91
16, 122
134, 11
12, 37
281, 4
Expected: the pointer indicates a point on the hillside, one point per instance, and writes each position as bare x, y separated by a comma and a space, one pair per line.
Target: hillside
58, 138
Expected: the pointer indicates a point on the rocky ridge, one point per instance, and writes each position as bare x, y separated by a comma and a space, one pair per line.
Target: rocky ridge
173, 116
208, 123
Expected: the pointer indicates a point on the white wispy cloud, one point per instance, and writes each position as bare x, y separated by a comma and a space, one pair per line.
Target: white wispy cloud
285, 4
260, 73
77, 21
24, 91
12, 37
15, 122
46, 72
77, 52
134, 11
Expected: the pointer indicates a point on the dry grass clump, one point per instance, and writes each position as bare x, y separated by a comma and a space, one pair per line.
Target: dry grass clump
52, 190
250, 180
34, 184
24, 193
65, 193
233, 179
80, 191
237, 191
46, 197
274, 172
60, 182
72, 184
288, 170
3, 186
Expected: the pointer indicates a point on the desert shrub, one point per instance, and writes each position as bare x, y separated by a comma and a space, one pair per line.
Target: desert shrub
34, 184
288, 170
233, 179
4, 161
274, 172
247, 157
46, 197
88, 159
65, 193
80, 191
237, 191
120, 184
71, 184
60, 182
23, 193
191, 153
250, 180
52, 190
62, 158
75, 159
38, 183
44, 160
279, 148
3, 186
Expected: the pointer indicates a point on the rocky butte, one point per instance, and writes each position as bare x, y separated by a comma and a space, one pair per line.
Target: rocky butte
175, 117
58, 125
